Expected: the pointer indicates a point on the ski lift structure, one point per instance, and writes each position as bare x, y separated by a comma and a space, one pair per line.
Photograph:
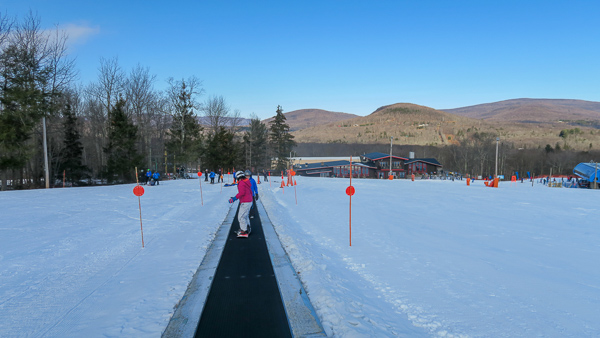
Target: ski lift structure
588, 171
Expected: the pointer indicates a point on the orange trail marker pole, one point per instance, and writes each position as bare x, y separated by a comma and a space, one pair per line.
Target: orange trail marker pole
141, 227
139, 191
295, 195
65, 176
350, 191
269, 179
292, 173
200, 179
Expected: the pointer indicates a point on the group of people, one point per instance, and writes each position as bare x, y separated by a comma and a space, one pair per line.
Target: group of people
152, 178
212, 175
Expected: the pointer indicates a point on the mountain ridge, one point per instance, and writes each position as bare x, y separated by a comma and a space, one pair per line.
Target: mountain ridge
524, 122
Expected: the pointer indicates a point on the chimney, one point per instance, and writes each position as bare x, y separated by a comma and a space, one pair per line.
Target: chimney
411, 155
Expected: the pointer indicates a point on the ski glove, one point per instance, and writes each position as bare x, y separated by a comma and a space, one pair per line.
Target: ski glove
233, 199
256, 197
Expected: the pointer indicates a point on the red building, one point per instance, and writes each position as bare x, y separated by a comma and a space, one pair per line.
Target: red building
382, 161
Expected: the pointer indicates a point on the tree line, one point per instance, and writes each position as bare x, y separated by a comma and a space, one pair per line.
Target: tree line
97, 133
475, 155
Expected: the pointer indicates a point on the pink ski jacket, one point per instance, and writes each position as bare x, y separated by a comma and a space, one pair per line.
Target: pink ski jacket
244, 191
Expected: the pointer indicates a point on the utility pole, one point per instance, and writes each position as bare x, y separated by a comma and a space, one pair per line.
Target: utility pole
391, 144
496, 171
45, 144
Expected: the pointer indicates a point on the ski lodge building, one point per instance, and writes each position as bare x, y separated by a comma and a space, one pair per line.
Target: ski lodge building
372, 165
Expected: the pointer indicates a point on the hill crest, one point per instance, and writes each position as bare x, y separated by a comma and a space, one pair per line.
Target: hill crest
306, 118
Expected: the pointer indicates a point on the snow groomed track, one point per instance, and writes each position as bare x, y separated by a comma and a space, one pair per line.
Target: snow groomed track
245, 287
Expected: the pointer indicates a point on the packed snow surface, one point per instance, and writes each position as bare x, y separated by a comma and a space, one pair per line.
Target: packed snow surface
428, 258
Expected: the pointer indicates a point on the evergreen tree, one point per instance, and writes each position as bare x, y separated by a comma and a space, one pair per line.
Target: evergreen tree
121, 150
185, 138
72, 153
222, 150
23, 103
256, 140
282, 142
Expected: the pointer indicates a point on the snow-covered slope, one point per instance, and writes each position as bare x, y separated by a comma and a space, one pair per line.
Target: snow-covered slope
427, 257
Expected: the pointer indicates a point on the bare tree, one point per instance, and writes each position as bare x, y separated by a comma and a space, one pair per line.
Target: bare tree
217, 113
140, 96
105, 92
111, 84
184, 134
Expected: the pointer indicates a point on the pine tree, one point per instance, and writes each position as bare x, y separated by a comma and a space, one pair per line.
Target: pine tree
72, 152
23, 103
282, 142
121, 150
185, 137
222, 150
256, 140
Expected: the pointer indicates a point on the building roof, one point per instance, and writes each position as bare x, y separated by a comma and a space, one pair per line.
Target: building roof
431, 161
378, 156
313, 166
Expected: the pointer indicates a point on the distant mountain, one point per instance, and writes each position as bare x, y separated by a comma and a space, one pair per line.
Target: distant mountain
525, 123
534, 111
408, 123
305, 118
227, 121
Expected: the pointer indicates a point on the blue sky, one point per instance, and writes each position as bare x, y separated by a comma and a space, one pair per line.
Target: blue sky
346, 56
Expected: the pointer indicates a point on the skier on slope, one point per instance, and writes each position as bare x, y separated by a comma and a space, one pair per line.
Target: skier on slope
244, 195
248, 174
212, 177
254, 187
148, 176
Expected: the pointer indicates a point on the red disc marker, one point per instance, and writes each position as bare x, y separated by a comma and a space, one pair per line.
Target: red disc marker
138, 190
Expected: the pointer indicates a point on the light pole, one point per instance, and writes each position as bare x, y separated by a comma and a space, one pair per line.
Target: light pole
496, 171
391, 142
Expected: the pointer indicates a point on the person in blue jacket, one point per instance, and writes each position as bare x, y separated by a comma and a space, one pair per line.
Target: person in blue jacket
254, 188
212, 177
148, 176
248, 174
156, 177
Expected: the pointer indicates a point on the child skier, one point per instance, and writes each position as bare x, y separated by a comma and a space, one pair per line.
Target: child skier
245, 196
156, 177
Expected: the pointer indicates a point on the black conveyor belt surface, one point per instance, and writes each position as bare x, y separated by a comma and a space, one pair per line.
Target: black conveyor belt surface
244, 299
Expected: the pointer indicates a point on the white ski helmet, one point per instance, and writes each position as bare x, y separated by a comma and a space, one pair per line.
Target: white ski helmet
239, 174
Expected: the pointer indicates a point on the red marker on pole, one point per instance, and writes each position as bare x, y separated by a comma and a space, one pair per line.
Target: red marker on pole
139, 191
350, 191
200, 179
